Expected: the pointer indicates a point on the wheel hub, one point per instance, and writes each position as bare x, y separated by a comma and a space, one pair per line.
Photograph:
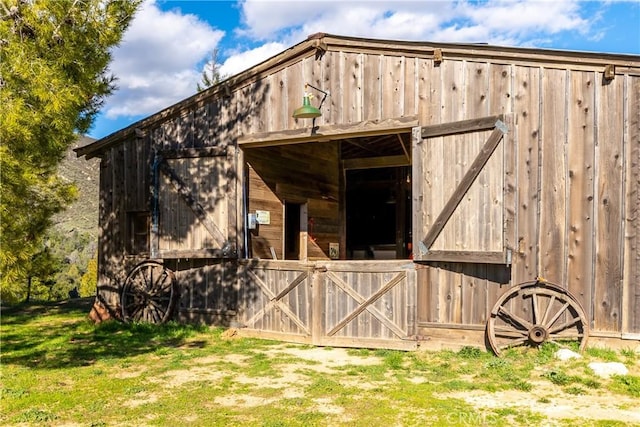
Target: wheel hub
538, 334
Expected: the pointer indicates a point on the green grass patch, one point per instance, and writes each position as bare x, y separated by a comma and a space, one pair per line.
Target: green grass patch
627, 384
60, 369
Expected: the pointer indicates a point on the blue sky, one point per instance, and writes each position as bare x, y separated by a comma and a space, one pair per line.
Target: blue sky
161, 58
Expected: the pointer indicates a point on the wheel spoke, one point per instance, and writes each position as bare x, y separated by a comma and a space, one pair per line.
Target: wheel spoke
150, 272
160, 279
548, 310
534, 301
564, 326
514, 333
513, 343
160, 309
524, 323
135, 314
557, 315
163, 286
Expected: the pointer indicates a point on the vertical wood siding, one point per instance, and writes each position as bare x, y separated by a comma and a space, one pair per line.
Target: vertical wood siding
570, 201
575, 185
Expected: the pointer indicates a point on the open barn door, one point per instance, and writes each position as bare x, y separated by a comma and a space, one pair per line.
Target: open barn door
463, 191
194, 204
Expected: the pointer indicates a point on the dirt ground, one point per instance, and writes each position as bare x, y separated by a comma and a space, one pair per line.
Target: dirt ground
544, 398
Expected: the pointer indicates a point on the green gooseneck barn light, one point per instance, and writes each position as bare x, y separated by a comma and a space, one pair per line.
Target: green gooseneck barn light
308, 111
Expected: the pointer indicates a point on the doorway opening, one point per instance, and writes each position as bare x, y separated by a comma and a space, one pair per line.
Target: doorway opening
295, 230
378, 211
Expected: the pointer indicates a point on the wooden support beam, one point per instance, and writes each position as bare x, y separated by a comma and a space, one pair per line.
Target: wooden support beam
404, 148
467, 256
463, 126
330, 133
376, 162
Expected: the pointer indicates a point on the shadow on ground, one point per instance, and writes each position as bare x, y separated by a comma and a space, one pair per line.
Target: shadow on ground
60, 335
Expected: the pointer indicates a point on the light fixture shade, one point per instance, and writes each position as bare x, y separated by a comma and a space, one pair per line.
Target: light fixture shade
307, 111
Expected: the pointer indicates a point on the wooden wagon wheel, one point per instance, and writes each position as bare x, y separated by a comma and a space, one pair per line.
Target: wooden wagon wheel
536, 312
149, 293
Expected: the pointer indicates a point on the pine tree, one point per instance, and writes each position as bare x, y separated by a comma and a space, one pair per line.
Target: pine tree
211, 73
54, 56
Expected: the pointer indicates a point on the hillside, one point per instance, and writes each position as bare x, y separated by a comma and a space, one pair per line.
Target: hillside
82, 215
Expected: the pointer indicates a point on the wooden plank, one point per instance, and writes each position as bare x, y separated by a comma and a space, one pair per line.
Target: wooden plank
118, 230
461, 126
632, 207
527, 133
466, 256
418, 153
274, 91
453, 91
190, 153
552, 231
608, 311
372, 90
377, 266
580, 186
342, 209
393, 83
206, 253
337, 80
229, 181
510, 185
194, 204
477, 90
477, 165
318, 298
376, 162
480, 201
500, 101
353, 88
329, 132
292, 96
501, 88
410, 92
429, 92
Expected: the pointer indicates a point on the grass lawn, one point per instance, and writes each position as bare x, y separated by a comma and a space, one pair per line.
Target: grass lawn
57, 368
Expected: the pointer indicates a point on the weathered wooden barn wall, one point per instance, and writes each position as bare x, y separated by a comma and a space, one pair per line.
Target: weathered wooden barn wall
124, 187
303, 173
572, 192
573, 134
197, 152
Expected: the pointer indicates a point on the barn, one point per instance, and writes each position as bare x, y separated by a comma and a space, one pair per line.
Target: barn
385, 194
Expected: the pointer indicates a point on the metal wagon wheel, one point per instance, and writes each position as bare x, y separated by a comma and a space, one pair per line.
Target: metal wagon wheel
149, 293
545, 313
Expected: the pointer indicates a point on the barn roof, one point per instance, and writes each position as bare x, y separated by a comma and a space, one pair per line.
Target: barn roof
321, 42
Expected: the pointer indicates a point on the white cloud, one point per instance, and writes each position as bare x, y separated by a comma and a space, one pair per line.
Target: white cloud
156, 63
524, 17
512, 21
242, 60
